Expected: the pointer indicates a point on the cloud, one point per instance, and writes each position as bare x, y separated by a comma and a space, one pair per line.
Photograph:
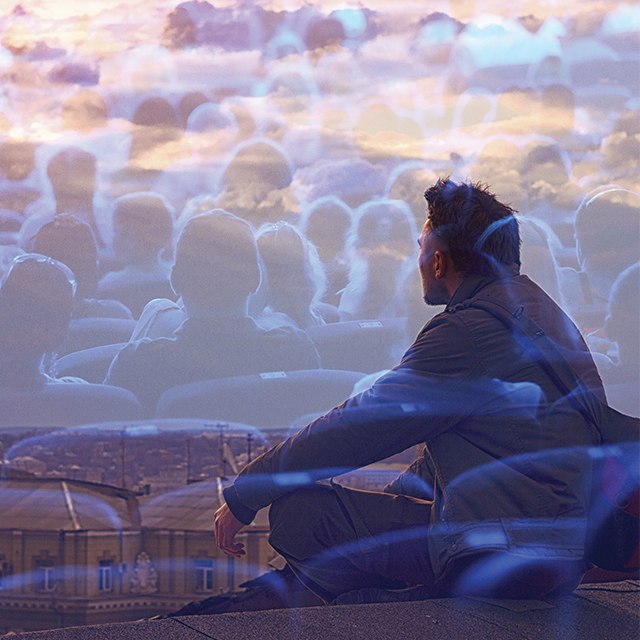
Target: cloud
353, 180
82, 73
621, 151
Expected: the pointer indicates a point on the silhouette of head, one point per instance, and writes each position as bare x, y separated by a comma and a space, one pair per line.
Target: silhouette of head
72, 173
71, 241
326, 222
142, 226
262, 161
156, 125
216, 263
36, 299
84, 111
607, 237
480, 232
294, 274
17, 159
384, 227
254, 181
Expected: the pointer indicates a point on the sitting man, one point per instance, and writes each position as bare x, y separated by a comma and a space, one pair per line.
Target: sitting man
216, 270
71, 241
142, 230
489, 508
36, 302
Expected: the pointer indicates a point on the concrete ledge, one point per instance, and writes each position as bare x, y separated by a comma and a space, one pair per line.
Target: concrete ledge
598, 611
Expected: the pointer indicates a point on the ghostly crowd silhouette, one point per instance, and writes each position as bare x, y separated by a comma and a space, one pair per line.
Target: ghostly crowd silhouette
254, 214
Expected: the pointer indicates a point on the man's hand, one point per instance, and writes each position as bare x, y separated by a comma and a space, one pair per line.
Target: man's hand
225, 528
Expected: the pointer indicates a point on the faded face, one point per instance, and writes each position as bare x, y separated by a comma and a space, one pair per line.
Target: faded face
431, 265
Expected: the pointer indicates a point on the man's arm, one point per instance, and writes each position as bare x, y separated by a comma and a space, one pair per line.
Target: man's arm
426, 395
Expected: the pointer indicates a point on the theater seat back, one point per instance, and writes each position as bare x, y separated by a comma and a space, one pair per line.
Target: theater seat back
267, 400
65, 405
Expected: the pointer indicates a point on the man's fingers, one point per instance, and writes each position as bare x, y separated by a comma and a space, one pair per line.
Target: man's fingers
224, 544
236, 550
225, 528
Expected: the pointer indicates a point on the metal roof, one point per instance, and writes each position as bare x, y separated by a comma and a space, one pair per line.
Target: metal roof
45, 504
189, 508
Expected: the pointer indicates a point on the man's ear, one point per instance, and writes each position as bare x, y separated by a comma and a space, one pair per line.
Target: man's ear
439, 264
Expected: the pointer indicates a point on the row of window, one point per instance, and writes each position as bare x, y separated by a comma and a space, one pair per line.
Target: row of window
46, 575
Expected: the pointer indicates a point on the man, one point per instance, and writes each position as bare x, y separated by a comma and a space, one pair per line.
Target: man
70, 240
215, 272
36, 302
497, 503
142, 230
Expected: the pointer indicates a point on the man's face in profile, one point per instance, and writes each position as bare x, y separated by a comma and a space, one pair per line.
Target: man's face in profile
431, 253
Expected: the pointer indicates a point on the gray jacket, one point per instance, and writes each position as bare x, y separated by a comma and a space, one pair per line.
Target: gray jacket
504, 458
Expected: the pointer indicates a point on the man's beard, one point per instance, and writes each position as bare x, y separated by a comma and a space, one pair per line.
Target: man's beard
430, 302
437, 295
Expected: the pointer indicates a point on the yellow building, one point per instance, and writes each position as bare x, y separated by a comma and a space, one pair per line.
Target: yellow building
75, 553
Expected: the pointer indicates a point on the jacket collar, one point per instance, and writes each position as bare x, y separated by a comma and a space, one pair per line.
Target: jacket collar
473, 283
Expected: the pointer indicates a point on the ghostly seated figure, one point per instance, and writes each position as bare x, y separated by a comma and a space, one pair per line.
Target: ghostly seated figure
381, 260
36, 301
326, 223
294, 280
607, 240
70, 240
215, 272
142, 229
72, 173
622, 381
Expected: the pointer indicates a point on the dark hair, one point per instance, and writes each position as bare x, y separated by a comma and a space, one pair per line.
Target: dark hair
71, 241
216, 251
36, 298
147, 218
71, 162
481, 233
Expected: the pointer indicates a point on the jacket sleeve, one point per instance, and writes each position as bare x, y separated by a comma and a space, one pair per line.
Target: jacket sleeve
411, 404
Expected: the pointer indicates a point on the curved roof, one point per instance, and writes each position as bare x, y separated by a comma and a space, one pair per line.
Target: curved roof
188, 508
45, 504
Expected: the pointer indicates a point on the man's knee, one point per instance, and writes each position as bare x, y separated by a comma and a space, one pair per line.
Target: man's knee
295, 517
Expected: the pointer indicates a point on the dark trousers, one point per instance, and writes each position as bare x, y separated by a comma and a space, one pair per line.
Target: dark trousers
337, 539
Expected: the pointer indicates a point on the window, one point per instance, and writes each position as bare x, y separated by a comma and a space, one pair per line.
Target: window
231, 573
105, 575
204, 575
5, 571
46, 578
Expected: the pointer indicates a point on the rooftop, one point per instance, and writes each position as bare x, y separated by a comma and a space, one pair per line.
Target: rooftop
593, 612
189, 508
59, 504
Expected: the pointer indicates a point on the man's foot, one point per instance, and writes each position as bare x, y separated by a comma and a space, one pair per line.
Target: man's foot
273, 590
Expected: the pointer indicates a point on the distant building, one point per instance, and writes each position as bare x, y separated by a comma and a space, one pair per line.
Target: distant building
76, 553
178, 531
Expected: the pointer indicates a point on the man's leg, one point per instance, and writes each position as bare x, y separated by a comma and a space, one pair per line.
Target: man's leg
338, 539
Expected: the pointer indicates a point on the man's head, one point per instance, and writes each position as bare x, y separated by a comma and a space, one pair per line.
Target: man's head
70, 240
607, 237
216, 263
36, 298
72, 173
142, 226
468, 231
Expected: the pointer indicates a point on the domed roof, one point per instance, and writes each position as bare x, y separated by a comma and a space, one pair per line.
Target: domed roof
45, 504
189, 508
